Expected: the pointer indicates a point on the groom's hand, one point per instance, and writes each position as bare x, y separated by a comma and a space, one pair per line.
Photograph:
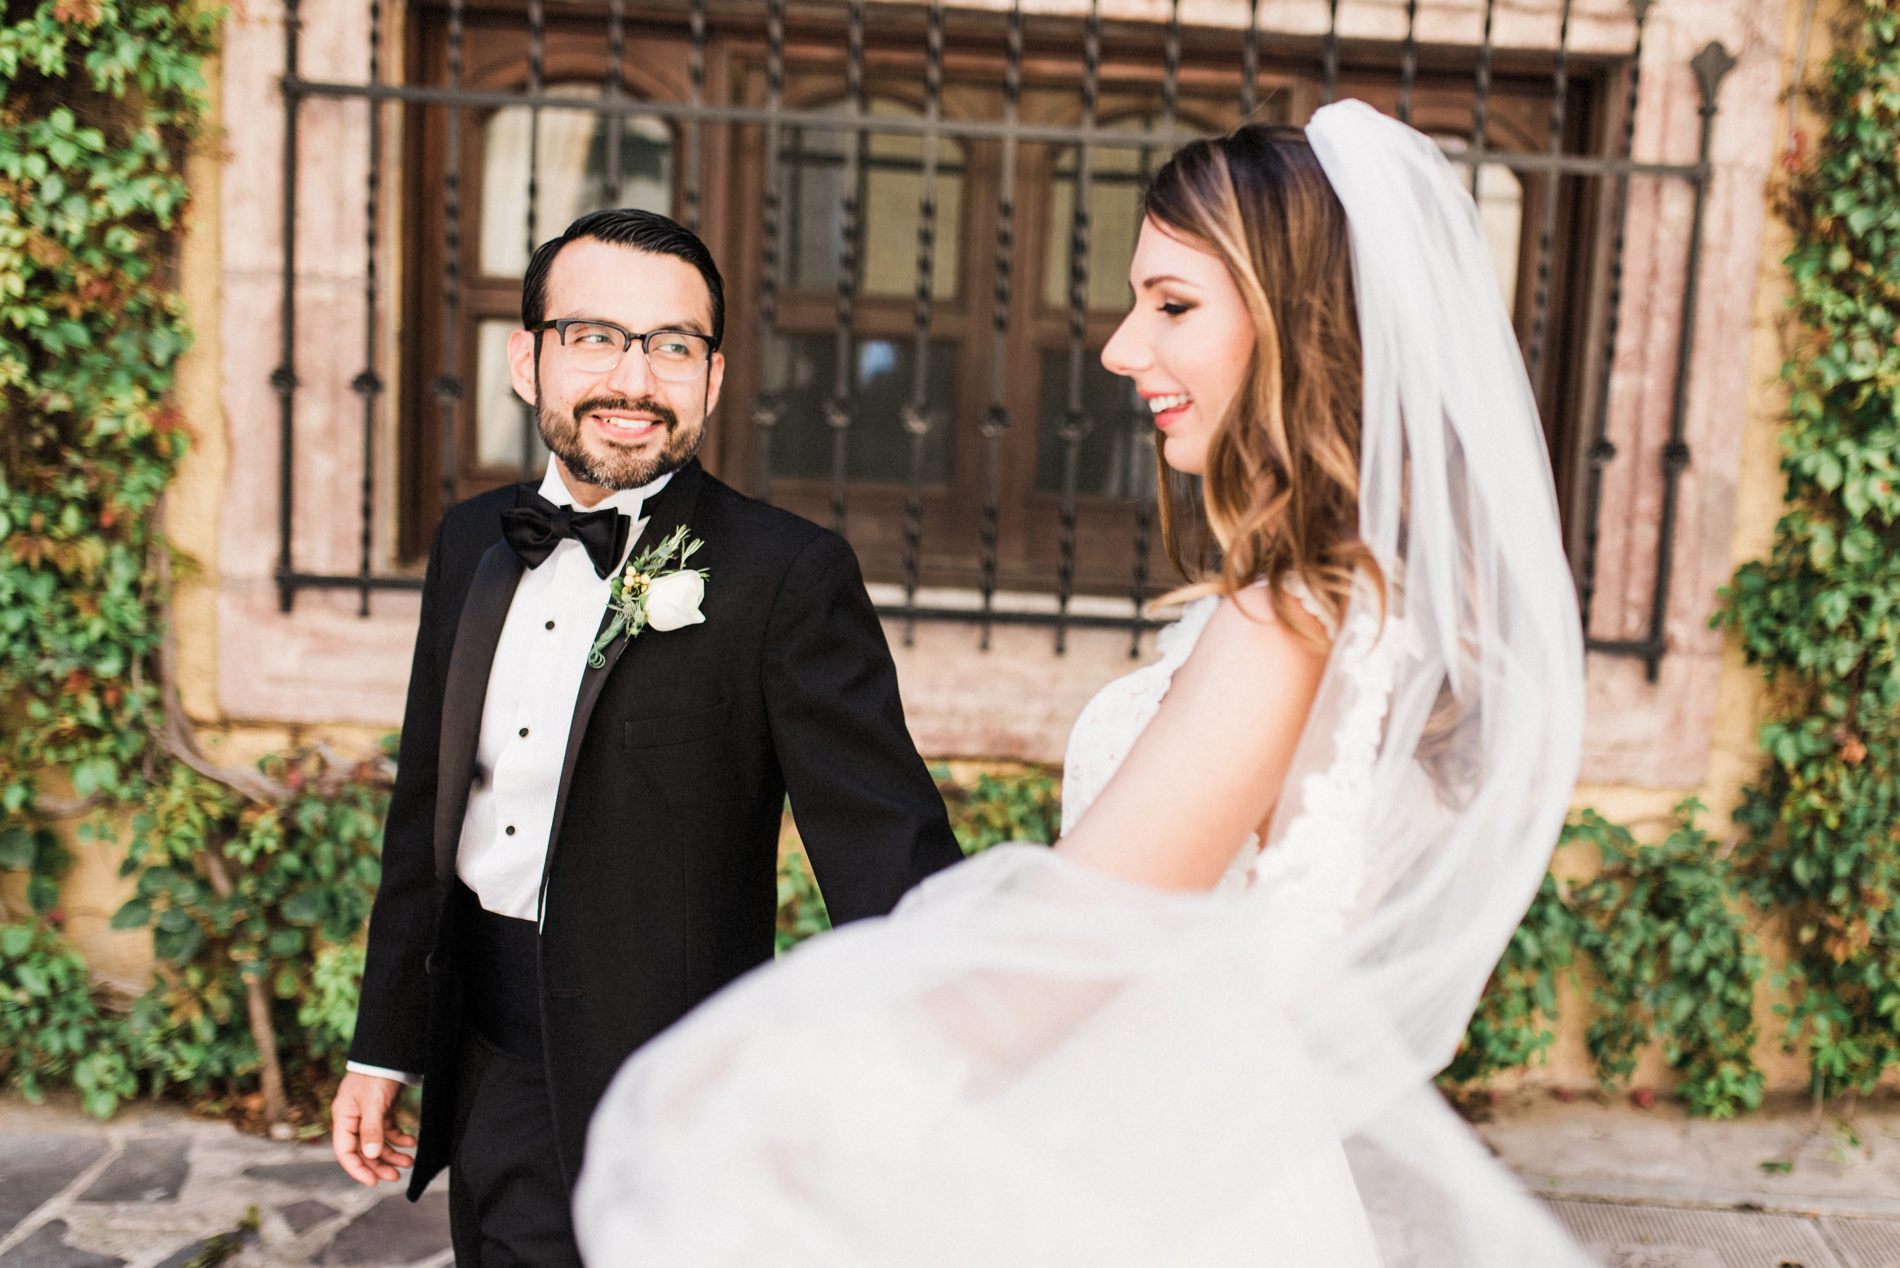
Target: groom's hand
364, 1127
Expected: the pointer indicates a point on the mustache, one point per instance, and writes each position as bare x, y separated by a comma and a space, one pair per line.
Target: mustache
661, 412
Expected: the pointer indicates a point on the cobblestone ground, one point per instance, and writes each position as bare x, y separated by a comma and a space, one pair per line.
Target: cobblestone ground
150, 1188
1642, 1187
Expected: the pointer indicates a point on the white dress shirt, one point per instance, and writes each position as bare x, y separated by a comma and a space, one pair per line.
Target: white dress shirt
532, 686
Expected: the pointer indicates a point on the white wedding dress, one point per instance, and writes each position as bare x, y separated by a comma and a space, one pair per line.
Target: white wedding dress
899, 1075
1030, 1063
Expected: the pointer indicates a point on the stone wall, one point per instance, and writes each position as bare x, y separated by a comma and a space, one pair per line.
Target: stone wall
255, 679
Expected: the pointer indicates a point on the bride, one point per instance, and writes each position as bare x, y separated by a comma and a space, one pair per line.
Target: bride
1201, 1030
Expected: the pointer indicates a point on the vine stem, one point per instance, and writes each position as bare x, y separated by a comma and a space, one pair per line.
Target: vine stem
257, 1002
178, 739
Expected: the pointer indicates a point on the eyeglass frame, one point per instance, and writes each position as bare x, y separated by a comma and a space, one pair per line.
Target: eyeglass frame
559, 326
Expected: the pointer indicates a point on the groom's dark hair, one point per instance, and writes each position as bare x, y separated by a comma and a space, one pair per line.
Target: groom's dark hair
636, 230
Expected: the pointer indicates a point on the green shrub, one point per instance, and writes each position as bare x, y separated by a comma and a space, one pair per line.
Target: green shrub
1662, 928
52, 1028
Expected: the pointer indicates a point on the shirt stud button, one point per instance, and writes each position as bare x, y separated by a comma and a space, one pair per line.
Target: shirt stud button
510, 829
524, 732
550, 625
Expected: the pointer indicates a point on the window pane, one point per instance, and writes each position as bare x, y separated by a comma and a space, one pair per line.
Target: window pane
1501, 208
880, 447
572, 175
503, 425
1500, 199
1117, 457
890, 183
1115, 185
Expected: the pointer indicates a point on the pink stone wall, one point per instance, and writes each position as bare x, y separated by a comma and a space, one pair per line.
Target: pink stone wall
1639, 732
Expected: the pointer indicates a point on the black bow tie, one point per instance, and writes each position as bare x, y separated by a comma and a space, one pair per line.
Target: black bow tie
536, 526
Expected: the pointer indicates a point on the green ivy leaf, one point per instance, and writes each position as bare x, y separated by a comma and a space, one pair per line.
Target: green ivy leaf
178, 946
42, 893
135, 914
17, 849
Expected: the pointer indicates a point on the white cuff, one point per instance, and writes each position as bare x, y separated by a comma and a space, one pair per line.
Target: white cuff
381, 1072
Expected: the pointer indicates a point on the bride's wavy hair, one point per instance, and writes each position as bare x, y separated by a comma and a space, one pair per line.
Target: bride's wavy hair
1280, 493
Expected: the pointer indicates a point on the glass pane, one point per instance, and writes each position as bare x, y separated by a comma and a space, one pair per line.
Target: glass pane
1115, 185
1117, 457
572, 175
503, 425
1501, 209
880, 447
890, 183
1500, 200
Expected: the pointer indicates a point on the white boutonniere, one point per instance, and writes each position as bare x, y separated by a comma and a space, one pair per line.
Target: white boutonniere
644, 595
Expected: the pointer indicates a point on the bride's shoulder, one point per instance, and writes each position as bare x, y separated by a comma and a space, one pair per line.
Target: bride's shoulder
1252, 612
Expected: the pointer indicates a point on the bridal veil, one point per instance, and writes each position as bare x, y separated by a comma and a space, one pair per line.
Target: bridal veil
1030, 1063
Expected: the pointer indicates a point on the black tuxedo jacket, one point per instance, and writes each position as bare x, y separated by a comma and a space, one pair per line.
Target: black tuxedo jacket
660, 882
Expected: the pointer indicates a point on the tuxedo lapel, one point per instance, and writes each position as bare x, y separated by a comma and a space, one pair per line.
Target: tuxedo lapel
484, 612
668, 509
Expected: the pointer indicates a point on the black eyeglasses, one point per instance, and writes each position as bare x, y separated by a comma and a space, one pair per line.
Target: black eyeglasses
595, 347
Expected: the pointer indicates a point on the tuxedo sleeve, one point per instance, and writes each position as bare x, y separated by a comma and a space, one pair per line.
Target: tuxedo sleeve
392, 1016
868, 812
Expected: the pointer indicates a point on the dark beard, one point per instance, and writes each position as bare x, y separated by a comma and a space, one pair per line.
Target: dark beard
618, 470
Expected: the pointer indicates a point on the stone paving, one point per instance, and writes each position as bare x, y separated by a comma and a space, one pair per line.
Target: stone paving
1652, 1188
1642, 1187
149, 1189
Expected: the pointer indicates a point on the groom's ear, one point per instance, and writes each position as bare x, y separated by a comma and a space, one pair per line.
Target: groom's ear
715, 379
522, 371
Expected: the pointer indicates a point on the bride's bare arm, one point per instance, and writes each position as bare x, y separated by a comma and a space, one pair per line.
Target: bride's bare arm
1207, 770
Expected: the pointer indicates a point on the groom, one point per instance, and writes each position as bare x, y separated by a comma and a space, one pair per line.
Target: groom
582, 840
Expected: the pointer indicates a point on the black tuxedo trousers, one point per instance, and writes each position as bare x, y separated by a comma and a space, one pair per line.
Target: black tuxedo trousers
660, 882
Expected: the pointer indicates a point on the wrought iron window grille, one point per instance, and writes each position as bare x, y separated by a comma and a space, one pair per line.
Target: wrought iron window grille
932, 126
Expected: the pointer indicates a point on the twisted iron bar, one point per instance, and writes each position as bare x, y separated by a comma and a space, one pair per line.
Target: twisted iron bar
996, 419
1547, 220
615, 88
854, 139
369, 384
1481, 97
916, 416
447, 388
537, 46
1330, 89
283, 379
768, 407
1408, 61
696, 87
1075, 424
1601, 451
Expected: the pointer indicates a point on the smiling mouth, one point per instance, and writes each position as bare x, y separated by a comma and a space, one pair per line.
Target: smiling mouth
1162, 406
625, 421
618, 427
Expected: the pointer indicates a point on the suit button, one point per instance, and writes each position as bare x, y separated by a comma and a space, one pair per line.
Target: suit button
510, 829
523, 732
550, 625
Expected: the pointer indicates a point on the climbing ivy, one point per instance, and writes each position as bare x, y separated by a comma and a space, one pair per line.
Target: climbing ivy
1821, 615
253, 883
1663, 930
102, 101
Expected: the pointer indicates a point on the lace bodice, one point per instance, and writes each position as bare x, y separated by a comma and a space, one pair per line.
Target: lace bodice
1320, 814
